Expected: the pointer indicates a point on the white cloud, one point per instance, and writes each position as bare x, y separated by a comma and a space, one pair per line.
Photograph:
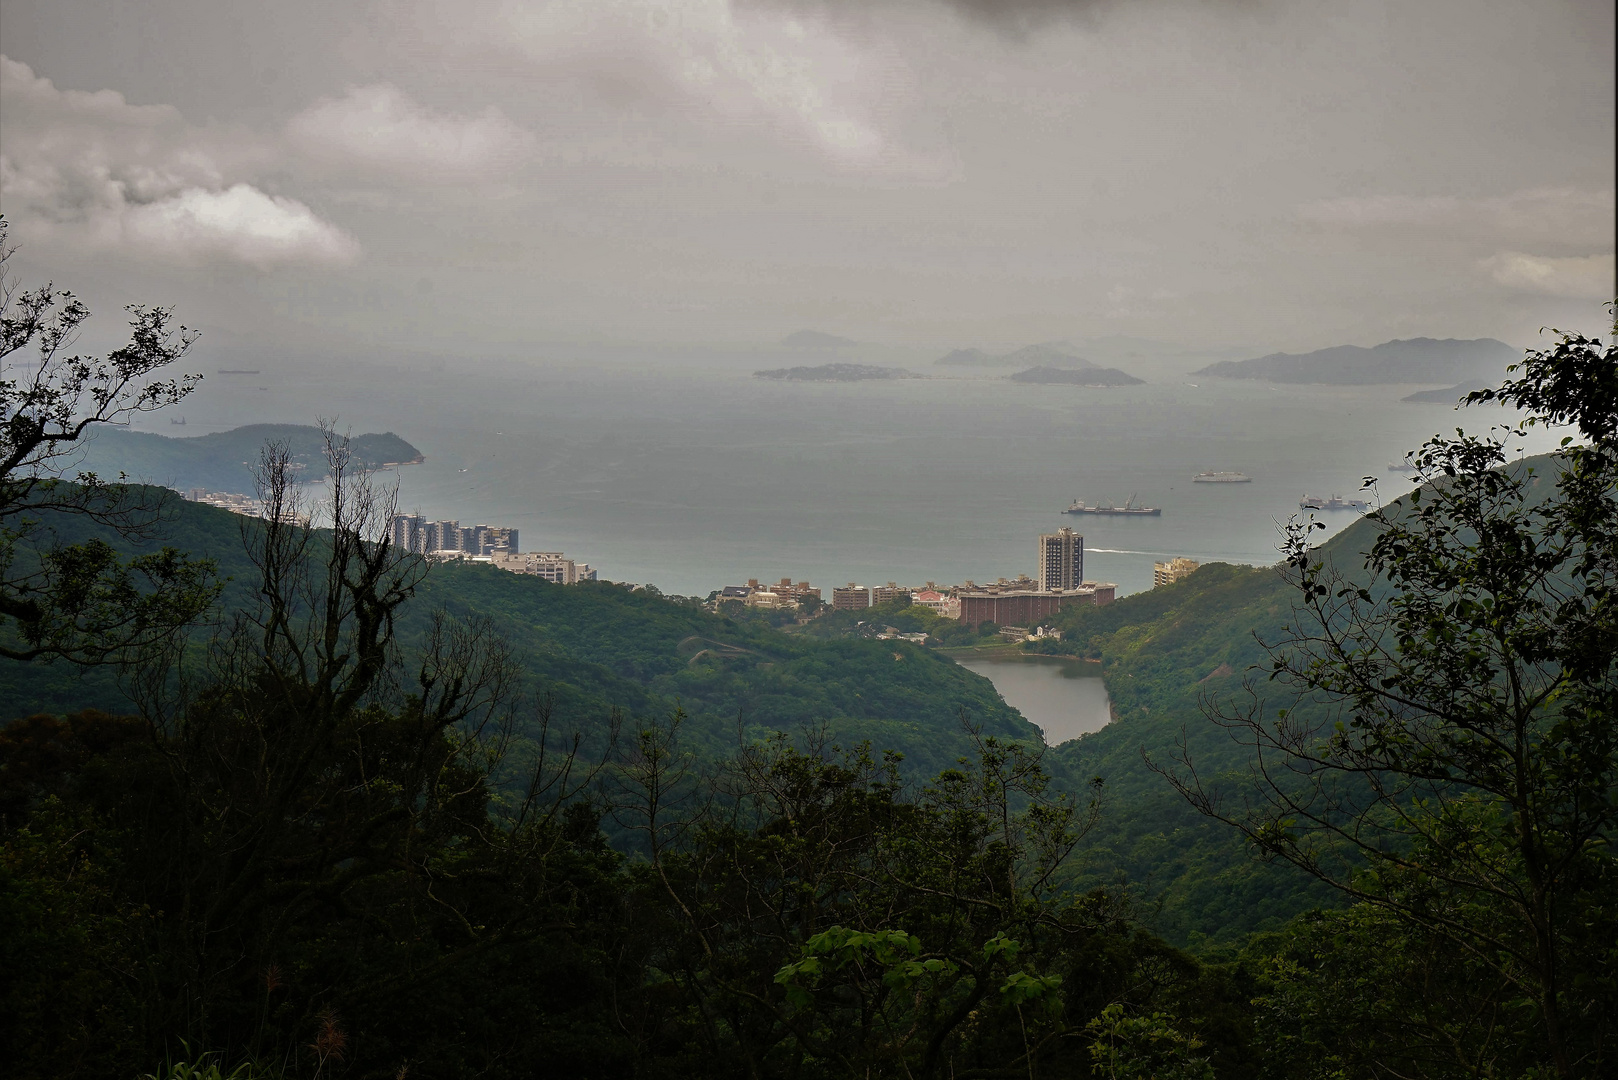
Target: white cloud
241, 223
379, 126
1589, 277
91, 168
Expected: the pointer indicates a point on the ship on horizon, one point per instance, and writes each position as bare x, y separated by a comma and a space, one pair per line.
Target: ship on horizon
1129, 507
1221, 478
1315, 502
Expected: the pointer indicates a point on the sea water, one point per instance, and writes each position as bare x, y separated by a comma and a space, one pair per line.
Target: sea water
1064, 698
689, 473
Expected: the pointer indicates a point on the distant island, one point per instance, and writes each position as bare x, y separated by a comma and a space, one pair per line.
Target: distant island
1050, 354
1418, 360
1087, 376
1448, 395
814, 339
837, 373
224, 460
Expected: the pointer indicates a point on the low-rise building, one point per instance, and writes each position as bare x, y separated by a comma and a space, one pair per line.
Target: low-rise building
1028, 607
552, 566
941, 604
1167, 573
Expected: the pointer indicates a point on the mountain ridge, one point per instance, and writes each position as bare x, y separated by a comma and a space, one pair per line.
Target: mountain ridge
1409, 360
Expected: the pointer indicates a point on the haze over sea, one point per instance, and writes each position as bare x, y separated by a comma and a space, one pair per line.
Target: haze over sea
688, 473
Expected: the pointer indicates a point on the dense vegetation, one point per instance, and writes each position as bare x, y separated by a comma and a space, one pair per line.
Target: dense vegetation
371, 818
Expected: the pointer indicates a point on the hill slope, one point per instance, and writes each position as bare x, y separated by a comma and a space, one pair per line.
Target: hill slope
1418, 360
1164, 653
599, 646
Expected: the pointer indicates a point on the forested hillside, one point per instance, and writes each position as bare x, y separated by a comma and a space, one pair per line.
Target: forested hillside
597, 647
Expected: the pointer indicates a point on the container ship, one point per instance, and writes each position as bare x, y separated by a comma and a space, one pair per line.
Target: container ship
1315, 502
1221, 478
1129, 507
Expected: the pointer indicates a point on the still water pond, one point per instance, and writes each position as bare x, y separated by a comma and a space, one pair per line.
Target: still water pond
1065, 698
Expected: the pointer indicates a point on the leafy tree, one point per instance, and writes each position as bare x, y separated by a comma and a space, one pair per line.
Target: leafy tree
1449, 753
82, 602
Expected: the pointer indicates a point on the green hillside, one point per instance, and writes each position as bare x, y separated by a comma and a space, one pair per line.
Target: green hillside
223, 461
599, 646
1166, 654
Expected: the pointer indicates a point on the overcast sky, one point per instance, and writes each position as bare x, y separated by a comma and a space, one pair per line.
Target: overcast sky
447, 175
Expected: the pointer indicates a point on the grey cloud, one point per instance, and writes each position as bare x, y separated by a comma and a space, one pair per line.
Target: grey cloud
87, 167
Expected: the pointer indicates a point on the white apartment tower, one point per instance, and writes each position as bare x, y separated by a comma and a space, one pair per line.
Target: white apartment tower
1061, 561
406, 531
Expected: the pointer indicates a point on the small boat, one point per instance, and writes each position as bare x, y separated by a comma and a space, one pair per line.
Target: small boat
1129, 507
1315, 502
177, 423
1221, 478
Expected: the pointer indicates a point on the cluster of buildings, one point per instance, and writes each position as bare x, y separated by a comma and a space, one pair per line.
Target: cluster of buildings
1011, 603
785, 593
493, 544
450, 539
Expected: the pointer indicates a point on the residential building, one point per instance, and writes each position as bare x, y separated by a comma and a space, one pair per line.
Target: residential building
1061, 561
406, 531
941, 604
553, 566
441, 536
1167, 573
412, 532
883, 594
1029, 607
850, 597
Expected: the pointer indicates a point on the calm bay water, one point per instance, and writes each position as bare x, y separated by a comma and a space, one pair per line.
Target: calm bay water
1065, 698
690, 474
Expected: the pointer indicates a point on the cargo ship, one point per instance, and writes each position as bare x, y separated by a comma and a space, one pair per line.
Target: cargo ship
1221, 478
1129, 507
1315, 502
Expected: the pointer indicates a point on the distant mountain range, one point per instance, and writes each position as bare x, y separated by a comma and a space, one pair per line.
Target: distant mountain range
224, 460
814, 339
1448, 395
836, 373
1050, 354
1418, 360
1085, 376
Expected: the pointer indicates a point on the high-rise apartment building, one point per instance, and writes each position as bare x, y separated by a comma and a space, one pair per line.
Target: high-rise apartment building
1061, 561
441, 536
412, 532
499, 540
405, 531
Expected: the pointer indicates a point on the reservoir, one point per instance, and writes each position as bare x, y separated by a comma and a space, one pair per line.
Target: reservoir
1064, 698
